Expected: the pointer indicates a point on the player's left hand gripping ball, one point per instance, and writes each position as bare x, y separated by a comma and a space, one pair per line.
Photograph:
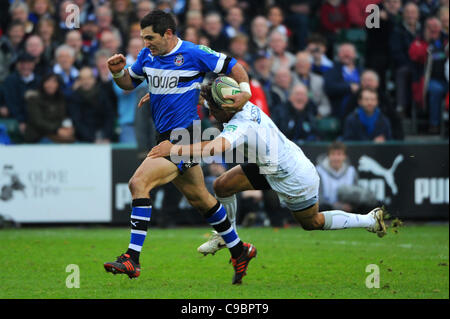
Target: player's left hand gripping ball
240, 99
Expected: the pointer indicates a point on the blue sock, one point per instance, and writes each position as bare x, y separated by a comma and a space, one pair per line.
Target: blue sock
140, 218
218, 219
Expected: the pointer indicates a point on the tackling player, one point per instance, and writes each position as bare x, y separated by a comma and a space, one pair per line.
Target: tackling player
280, 165
174, 70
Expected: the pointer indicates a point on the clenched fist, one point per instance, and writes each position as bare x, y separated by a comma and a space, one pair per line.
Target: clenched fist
116, 63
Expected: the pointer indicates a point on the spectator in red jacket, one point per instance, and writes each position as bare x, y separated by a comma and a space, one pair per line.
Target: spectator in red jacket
429, 53
334, 16
357, 12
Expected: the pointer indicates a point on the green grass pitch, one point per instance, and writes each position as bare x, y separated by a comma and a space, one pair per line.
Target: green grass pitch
291, 264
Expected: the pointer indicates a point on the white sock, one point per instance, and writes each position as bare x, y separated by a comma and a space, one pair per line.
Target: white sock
230, 204
338, 219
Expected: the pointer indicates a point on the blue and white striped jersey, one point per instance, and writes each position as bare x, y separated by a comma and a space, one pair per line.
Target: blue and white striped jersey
174, 81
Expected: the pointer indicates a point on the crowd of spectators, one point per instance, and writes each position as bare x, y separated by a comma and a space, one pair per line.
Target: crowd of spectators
315, 66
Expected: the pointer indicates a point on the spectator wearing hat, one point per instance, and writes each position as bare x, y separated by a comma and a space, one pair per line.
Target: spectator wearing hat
89, 34
15, 86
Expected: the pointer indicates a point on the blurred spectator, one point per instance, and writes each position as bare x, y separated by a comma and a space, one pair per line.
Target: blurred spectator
19, 11
75, 41
313, 82
104, 17
444, 17
47, 117
191, 34
40, 9
212, 171
15, 86
127, 101
194, 19
63, 26
86, 8
297, 20
429, 55
317, 48
10, 45
371, 81
239, 48
357, 12
296, 117
367, 122
213, 29
89, 32
234, 22
64, 60
91, 110
281, 87
429, 8
262, 66
34, 46
259, 95
275, 16
259, 43
335, 171
46, 30
378, 44
400, 41
111, 41
342, 80
143, 7
123, 16
104, 78
333, 18
281, 57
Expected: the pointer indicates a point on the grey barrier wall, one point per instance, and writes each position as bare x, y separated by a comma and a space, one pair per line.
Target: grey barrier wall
411, 179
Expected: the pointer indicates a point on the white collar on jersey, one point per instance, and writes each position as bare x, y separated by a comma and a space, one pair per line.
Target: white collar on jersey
175, 48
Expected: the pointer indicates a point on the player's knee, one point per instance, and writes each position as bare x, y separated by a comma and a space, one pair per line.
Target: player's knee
310, 224
136, 185
220, 188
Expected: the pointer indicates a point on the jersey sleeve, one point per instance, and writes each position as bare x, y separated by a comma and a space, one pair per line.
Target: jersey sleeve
212, 61
235, 132
135, 70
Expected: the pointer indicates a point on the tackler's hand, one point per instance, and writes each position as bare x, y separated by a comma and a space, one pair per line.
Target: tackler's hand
144, 99
239, 101
161, 150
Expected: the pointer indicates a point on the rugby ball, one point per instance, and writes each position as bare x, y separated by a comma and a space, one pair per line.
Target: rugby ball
222, 86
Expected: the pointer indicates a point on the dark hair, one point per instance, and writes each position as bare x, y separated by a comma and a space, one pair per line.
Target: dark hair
58, 94
316, 38
160, 21
361, 91
337, 146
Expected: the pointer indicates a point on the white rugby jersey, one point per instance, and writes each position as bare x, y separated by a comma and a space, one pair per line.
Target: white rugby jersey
251, 131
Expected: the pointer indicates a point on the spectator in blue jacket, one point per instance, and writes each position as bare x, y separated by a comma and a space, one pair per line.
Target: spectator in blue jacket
367, 122
15, 86
342, 80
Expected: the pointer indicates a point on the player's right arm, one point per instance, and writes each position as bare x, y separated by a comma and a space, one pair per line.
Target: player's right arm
121, 76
